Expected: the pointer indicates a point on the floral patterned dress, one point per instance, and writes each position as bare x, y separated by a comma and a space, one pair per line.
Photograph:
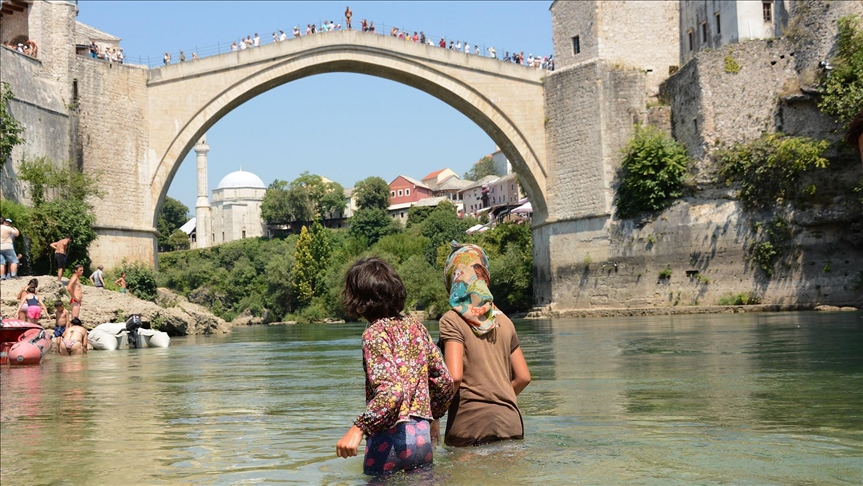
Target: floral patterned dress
407, 385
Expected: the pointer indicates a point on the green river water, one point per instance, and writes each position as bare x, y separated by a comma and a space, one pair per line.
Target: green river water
719, 399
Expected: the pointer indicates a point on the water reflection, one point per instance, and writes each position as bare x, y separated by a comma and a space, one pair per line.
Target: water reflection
661, 400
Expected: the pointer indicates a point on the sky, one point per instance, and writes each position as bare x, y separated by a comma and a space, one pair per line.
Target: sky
342, 126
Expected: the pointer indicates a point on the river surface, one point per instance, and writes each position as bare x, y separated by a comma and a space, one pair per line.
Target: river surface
722, 399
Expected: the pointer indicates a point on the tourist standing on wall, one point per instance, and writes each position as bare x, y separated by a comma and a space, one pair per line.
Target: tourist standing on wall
257, 41
166, 59
8, 258
61, 248
348, 15
482, 353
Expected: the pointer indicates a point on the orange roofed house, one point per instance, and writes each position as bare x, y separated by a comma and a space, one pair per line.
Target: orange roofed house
438, 177
404, 189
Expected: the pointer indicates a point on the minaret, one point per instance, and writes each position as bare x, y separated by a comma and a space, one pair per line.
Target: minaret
202, 205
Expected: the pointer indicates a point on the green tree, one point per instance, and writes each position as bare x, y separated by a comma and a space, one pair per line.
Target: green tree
321, 250
424, 285
372, 224
306, 198
304, 269
418, 214
10, 129
483, 167
842, 90
652, 172
47, 181
441, 227
178, 240
140, 279
372, 193
172, 215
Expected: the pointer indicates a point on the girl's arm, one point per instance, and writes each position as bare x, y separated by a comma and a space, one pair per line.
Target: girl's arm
520, 372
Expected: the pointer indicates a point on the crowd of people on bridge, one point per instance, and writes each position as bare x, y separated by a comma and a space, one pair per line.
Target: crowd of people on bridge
538, 62
104, 53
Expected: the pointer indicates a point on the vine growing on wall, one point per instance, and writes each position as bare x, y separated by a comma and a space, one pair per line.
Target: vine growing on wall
769, 169
842, 90
10, 129
652, 172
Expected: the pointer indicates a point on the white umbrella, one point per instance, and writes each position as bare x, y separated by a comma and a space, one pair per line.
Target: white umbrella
525, 208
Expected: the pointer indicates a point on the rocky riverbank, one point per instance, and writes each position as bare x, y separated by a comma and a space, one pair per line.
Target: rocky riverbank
546, 312
172, 314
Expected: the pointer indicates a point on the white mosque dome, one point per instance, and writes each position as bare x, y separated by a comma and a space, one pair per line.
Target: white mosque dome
240, 179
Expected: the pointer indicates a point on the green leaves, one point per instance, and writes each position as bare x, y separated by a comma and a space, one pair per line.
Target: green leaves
484, 167
305, 199
842, 90
372, 193
770, 168
652, 172
172, 215
10, 129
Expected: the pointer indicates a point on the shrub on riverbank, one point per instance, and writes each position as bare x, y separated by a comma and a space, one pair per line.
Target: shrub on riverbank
259, 275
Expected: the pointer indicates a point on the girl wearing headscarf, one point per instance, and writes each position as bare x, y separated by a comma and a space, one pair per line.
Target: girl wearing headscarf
482, 353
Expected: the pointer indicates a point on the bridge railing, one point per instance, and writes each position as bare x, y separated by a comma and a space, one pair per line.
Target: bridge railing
221, 47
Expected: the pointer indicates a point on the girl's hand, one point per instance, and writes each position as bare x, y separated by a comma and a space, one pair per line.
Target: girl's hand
347, 446
434, 431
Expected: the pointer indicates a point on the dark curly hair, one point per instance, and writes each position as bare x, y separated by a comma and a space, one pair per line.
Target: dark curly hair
373, 290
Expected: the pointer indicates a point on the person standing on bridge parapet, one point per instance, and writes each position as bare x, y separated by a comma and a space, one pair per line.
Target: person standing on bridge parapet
348, 15
166, 59
257, 42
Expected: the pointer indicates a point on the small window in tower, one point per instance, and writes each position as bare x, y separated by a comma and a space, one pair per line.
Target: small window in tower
689, 34
244, 233
576, 45
718, 24
767, 11
704, 32
223, 236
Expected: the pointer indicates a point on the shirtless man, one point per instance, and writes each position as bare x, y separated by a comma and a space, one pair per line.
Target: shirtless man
61, 319
74, 339
60, 249
76, 291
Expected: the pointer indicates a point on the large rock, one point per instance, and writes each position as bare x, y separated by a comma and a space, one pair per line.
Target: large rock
176, 315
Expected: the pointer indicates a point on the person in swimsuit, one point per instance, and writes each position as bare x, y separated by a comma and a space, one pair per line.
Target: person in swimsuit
121, 282
60, 249
22, 309
76, 290
74, 339
34, 305
61, 319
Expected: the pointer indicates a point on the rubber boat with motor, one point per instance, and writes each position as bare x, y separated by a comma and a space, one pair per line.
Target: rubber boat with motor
133, 334
23, 343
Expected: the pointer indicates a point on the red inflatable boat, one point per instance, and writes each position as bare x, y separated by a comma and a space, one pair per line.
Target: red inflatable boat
22, 343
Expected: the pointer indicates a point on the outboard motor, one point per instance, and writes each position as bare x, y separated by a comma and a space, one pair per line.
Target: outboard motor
133, 323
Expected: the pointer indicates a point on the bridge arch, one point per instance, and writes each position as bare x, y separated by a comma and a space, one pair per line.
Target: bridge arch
504, 100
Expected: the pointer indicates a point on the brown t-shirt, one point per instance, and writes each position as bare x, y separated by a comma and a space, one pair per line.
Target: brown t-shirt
485, 408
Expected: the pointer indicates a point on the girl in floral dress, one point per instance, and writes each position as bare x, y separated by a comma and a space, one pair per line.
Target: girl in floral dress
408, 386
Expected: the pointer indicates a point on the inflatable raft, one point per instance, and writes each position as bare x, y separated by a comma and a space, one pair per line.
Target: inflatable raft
110, 336
23, 343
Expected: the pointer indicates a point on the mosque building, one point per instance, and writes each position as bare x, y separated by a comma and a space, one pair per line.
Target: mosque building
235, 210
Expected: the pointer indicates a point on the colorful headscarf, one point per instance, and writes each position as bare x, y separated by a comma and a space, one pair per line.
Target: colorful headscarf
467, 278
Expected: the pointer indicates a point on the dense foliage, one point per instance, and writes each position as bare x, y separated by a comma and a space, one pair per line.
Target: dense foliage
61, 207
652, 172
140, 279
484, 167
300, 277
372, 193
842, 90
305, 199
10, 129
769, 169
172, 215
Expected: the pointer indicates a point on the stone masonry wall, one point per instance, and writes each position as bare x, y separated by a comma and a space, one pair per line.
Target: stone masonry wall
641, 35
570, 19
52, 27
112, 109
813, 29
41, 111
